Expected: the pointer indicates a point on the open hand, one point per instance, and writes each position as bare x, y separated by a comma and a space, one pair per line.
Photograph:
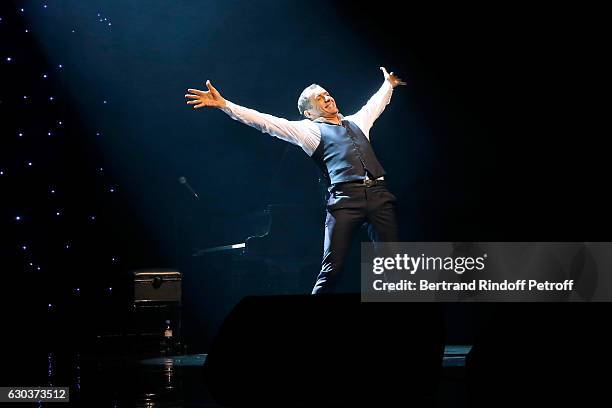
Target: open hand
395, 81
211, 98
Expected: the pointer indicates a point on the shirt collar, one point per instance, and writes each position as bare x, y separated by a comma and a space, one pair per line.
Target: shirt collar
322, 120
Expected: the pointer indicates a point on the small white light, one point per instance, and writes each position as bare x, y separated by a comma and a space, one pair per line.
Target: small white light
67, 246
49, 305
44, 6
45, 76
104, 102
38, 268
100, 169
50, 98
20, 134
73, 30
48, 133
24, 247
25, 96
8, 59
18, 218
59, 122
21, 10
112, 190
31, 264
109, 23
27, 31
110, 289
60, 66
93, 217
58, 213
97, 133
1, 172
29, 163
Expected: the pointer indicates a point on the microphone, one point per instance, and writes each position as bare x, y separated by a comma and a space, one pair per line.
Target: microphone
184, 182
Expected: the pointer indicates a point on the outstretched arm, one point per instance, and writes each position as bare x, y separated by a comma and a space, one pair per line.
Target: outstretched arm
367, 115
299, 133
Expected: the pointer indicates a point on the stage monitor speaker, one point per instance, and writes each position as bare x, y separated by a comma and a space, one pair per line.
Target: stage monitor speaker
326, 349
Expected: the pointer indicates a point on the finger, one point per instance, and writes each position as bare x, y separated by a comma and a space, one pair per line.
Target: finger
193, 102
190, 96
199, 106
197, 91
211, 87
384, 70
391, 74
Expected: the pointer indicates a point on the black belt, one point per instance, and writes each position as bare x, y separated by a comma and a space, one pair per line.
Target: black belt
364, 182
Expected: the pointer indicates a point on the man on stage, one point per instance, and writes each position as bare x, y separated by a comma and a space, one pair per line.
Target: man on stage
340, 146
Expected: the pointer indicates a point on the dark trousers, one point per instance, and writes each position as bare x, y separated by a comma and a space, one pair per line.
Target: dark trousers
348, 207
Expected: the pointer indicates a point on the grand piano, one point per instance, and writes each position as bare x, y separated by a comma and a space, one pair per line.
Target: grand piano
283, 246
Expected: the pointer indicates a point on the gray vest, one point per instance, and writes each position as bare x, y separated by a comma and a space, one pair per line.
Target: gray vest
345, 154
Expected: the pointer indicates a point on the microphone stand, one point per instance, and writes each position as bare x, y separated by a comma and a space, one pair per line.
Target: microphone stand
182, 212
177, 216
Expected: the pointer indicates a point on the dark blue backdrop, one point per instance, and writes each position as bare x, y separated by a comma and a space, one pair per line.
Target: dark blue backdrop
493, 138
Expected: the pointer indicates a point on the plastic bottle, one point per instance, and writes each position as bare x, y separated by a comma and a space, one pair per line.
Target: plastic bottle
167, 339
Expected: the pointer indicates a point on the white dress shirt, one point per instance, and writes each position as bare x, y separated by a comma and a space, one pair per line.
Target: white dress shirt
305, 133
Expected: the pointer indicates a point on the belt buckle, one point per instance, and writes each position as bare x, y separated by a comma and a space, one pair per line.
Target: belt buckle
369, 182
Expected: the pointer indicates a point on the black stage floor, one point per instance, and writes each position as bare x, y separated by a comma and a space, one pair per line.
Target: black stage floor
164, 381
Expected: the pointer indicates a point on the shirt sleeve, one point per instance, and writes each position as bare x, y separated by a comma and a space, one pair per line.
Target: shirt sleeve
366, 116
302, 133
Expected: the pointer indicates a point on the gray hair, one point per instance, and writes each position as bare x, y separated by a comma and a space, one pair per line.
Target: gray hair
304, 99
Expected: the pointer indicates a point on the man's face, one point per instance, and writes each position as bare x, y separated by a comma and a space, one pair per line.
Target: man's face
323, 105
